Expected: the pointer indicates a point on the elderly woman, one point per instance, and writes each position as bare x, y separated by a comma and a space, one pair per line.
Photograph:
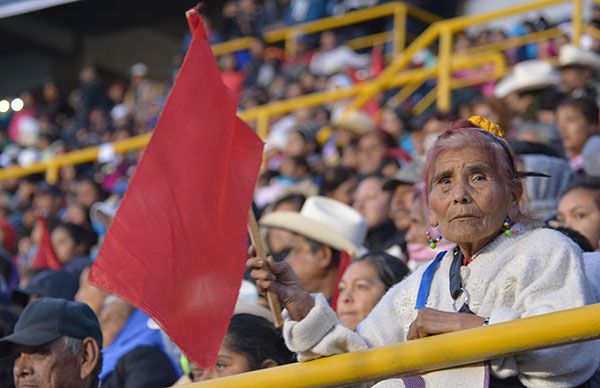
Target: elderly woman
508, 272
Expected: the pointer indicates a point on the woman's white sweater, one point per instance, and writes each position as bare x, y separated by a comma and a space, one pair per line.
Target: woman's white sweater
537, 272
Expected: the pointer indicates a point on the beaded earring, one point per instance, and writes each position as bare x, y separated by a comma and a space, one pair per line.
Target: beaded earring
433, 241
508, 231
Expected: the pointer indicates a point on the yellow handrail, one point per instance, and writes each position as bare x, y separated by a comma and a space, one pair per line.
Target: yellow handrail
428, 354
400, 11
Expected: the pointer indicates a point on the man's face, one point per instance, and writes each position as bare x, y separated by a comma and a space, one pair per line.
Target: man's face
575, 77
304, 262
48, 366
400, 206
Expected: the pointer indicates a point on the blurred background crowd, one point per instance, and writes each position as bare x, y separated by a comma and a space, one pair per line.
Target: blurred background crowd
370, 159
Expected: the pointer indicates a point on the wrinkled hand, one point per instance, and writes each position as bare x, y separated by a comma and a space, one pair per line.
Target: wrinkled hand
280, 278
432, 322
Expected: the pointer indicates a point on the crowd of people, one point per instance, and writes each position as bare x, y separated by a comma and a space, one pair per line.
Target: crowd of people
357, 208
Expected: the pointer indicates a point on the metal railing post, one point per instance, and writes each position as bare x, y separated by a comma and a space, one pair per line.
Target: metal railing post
577, 21
444, 72
399, 35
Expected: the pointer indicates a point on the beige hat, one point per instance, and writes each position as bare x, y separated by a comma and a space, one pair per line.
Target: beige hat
326, 221
527, 76
355, 121
571, 55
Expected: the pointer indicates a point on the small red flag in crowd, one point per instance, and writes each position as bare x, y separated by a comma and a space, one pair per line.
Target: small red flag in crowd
45, 257
177, 246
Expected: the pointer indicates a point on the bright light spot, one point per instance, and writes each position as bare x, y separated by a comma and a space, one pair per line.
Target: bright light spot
4, 106
16, 104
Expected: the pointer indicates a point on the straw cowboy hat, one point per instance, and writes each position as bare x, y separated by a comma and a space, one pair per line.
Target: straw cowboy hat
570, 55
354, 121
326, 221
527, 76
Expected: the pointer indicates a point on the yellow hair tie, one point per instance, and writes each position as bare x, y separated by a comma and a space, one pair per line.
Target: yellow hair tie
487, 125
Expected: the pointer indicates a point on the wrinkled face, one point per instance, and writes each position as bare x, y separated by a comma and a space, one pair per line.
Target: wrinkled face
578, 210
359, 291
372, 202
466, 198
572, 78
64, 245
49, 366
574, 129
370, 154
228, 363
400, 205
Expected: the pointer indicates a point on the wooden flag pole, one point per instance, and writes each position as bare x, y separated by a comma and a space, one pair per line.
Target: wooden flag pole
261, 252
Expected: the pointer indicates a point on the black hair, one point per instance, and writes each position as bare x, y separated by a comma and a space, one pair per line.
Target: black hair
584, 105
256, 339
390, 269
529, 148
79, 234
577, 237
336, 255
334, 178
295, 198
587, 183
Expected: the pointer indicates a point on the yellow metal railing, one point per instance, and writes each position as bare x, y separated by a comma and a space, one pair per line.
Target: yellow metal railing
398, 10
428, 354
445, 31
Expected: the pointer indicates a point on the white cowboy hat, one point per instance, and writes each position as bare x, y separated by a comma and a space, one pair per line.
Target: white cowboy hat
526, 76
326, 221
570, 55
354, 121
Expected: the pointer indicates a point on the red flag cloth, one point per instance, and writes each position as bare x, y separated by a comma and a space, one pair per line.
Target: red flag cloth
45, 256
177, 246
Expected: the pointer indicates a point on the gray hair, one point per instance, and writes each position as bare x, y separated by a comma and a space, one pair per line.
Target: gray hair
73, 345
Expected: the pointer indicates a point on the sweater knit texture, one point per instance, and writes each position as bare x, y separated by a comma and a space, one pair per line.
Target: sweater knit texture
536, 272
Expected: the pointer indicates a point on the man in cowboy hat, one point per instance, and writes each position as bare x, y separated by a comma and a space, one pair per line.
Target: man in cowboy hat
324, 230
521, 88
578, 69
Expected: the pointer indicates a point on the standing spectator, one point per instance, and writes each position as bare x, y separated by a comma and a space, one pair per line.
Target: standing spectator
333, 57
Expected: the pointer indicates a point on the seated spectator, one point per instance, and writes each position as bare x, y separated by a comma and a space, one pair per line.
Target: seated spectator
578, 69
323, 230
363, 284
251, 343
47, 284
339, 183
72, 245
372, 150
334, 58
420, 247
373, 203
579, 209
397, 123
55, 342
401, 188
134, 354
578, 120
232, 77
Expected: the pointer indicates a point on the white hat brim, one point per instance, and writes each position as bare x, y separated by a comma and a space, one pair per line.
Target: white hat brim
295, 222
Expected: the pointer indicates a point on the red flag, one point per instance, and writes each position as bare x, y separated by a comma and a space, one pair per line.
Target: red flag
176, 248
45, 256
